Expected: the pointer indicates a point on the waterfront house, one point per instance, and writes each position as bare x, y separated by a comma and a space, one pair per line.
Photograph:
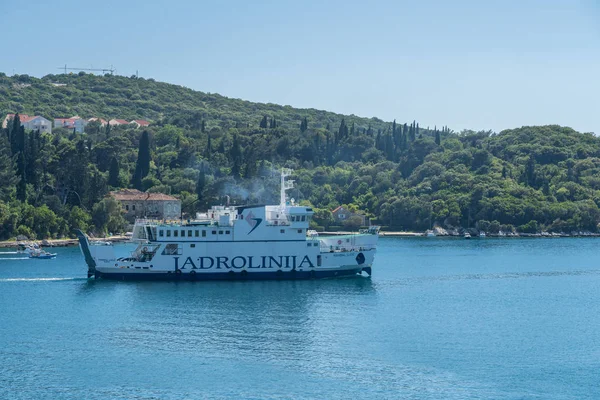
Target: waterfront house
33, 123
138, 204
341, 214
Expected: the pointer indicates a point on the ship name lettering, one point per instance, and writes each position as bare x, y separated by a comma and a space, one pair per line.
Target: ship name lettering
241, 262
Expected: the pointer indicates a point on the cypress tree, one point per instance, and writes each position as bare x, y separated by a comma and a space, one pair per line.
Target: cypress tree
208, 154
200, 185
21, 163
303, 125
13, 133
107, 130
142, 166
8, 178
203, 126
438, 139
113, 173
236, 157
263, 122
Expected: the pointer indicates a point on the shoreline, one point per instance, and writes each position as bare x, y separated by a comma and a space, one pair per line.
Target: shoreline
60, 242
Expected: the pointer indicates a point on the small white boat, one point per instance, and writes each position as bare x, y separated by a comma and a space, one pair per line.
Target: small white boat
467, 235
43, 255
481, 234
430, 233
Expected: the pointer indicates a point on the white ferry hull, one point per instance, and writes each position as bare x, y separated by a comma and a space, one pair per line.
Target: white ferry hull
245, 242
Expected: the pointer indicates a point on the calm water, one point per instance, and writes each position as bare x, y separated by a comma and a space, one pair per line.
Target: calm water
440, 319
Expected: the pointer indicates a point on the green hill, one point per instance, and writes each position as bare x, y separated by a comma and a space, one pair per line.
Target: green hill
202, 147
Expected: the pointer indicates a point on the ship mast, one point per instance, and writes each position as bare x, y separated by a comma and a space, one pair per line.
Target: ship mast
285, 185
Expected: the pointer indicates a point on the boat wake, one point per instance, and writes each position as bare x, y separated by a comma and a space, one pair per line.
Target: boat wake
40, 279
13, 258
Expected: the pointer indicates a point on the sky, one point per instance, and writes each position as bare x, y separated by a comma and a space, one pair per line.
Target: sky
467, 64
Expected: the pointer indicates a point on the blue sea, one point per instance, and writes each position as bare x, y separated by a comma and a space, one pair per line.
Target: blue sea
440, 319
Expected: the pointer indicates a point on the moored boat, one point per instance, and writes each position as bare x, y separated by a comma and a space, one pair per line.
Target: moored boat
229, 242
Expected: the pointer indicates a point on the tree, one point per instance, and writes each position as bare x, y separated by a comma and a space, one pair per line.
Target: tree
264, 122
235, 154
8, 178
142, 166
303, 125
107, 216
438, 139
113, 173
200, 187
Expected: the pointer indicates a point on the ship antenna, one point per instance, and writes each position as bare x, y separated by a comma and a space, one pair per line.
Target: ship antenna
285, 185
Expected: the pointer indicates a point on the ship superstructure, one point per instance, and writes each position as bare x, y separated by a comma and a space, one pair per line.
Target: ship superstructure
236, 242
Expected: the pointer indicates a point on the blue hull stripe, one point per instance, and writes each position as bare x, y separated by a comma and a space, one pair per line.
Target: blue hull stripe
281, 275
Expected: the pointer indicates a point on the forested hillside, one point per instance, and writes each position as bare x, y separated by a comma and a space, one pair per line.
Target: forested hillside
201, 147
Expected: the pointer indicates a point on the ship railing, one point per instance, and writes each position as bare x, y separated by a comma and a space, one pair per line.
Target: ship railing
345, 249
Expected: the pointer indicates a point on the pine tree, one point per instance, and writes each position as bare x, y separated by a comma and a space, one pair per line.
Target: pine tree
113, 173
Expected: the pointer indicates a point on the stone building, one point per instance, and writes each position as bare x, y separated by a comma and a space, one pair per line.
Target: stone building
138, 204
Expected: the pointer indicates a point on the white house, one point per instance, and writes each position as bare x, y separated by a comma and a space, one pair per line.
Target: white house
30, 122
115, 122
75, 122
140, 123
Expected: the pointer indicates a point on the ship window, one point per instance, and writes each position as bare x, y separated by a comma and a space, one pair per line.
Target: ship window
161, 233
168, 233
318, 261
189, 233
307, 244
227, 232
203, 233
192, 245
282, 230
315, 244
214, 232
293, 218
175, 233
182, 233
299, 230
172, 249
220, 232
303, 218
196, 233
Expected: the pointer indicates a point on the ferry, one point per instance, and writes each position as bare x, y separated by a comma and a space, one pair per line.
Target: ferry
235, 242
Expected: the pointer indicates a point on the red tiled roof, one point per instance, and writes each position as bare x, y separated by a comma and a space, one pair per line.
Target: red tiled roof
134, 194
22, 117
141, 122
336, 209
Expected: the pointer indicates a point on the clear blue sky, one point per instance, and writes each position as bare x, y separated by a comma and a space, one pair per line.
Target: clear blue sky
464, 63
